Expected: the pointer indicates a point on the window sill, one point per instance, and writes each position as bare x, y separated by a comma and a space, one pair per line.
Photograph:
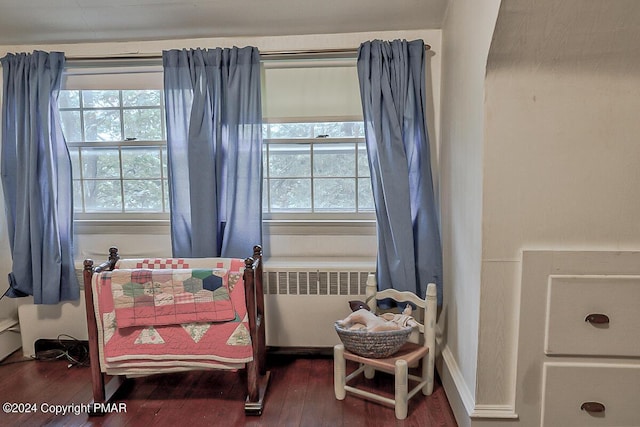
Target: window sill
270, 227
321, 263
122, 226
319, 227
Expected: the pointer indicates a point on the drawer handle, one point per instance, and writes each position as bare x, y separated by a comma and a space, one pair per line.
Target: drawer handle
597, 319
592, 407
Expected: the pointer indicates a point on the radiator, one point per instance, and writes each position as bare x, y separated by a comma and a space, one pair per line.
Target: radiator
302, 304
315, 282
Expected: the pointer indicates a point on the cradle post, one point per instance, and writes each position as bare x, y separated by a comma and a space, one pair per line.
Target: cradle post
97, 379
259, 292
257, 376
252, 367
102, 391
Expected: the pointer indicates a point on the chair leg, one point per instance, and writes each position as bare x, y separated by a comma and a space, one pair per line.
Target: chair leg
339, 372
369, 372
428, 372
402, 386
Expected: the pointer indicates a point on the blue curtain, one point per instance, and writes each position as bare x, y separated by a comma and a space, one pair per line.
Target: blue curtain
36, 178
392, 87
214, 139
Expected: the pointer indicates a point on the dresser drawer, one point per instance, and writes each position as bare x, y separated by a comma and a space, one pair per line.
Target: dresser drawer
567, 387
612, 304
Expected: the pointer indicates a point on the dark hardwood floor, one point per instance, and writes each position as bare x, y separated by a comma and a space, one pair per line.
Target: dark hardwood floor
300, 394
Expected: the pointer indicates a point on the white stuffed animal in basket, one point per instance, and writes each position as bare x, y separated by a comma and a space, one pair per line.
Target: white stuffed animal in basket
365, 319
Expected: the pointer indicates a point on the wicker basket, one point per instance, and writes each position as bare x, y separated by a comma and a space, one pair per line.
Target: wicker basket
376, 345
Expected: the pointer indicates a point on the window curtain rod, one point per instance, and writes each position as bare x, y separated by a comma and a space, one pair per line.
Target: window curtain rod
267, 55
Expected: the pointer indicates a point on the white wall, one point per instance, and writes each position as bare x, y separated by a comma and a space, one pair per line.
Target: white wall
560, 155
466, 37
538, 150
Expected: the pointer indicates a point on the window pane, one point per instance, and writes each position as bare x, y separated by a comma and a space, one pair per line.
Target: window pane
164, 164
100, 163
313, 130
102, 196
290, 194
265, 195
71, 125
102, 125
331, 194
290, 130
337, 160
363, 161
289, 160
165, 187
365, 195
69, 99
142, 195
143, 124
265, 165
77, 196
141, 163
100, 98
140, 98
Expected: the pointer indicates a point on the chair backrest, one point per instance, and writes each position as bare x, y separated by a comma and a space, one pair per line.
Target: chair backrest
424, 313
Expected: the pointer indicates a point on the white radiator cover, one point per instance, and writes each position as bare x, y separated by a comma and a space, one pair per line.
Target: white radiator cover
301, 304
43, 321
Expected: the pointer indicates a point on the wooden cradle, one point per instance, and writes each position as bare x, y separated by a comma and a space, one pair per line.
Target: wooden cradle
110, 362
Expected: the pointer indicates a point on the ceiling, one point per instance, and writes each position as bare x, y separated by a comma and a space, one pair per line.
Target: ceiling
76, 21
574, 34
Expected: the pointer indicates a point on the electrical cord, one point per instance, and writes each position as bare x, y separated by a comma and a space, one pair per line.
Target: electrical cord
75, 352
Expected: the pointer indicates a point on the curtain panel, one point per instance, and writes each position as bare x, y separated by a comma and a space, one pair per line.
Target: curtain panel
392, 87
36, 178
214, 139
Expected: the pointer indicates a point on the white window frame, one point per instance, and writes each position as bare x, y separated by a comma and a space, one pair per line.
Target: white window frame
314, 214
116, 74
353, 223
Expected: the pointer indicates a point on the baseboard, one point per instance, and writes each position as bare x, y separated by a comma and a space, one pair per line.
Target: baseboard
462, 390
468, 409
494, 412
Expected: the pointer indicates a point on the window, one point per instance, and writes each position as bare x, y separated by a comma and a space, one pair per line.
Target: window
116, 138
316, 168
315, 161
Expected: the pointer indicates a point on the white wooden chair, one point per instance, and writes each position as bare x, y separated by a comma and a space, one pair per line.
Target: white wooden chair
420, 350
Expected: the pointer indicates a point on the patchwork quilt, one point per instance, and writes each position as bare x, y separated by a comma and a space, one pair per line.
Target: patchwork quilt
190, 316
146, 297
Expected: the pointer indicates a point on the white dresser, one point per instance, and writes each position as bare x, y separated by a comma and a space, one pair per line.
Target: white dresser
579, 339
